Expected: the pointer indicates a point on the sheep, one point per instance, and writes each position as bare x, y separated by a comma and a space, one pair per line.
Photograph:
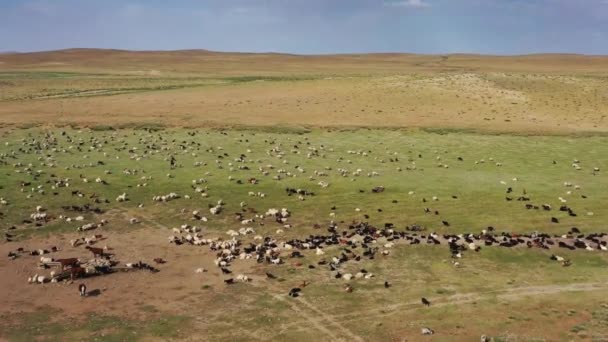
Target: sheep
122, 198
90, 240
88, 226
39, 216
347, 276
215, 210
200, 270
46, 260
37, 279
243, 278
165, 198
246, 231
427, 331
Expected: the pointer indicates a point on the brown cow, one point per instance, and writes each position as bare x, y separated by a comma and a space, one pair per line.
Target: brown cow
77, 272
71, 262
95, 251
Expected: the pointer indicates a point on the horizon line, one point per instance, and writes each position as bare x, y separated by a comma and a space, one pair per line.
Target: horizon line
303, 54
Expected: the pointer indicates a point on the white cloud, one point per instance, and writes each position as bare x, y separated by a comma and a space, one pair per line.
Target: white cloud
408, 3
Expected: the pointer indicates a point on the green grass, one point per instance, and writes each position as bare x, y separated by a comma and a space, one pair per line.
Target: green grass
44, 85
43, 74
246, 79
47, 324
414, 271
481, 198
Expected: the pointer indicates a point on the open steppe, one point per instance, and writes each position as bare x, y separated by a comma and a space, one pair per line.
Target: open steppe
486, 150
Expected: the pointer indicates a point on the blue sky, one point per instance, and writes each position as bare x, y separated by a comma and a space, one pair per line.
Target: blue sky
309, 26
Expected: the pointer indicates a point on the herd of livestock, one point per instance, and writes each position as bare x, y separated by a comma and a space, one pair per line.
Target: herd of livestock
336, 243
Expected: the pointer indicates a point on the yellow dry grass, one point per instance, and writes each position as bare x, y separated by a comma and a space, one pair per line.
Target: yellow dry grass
539, 93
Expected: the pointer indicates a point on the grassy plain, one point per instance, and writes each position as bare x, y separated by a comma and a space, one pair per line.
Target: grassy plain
412, 115
500, 292
538, 93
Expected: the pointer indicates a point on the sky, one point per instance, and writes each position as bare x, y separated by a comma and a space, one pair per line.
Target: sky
500, 27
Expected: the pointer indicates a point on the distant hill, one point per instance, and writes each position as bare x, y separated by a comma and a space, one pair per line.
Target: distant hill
227, 63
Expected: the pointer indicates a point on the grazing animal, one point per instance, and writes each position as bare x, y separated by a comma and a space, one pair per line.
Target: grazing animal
425, 301
95, 251
77, 272
427, 331
69, 262
82, 289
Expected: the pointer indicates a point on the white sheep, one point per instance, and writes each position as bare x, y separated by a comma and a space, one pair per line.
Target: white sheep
243, 278
38, 216
88, 226
427, 331
46, 260
215, 210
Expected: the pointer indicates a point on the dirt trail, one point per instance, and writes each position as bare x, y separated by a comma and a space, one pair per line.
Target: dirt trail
314, 316
332, 325
330, 319
317, 318
508, 294
311, 319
